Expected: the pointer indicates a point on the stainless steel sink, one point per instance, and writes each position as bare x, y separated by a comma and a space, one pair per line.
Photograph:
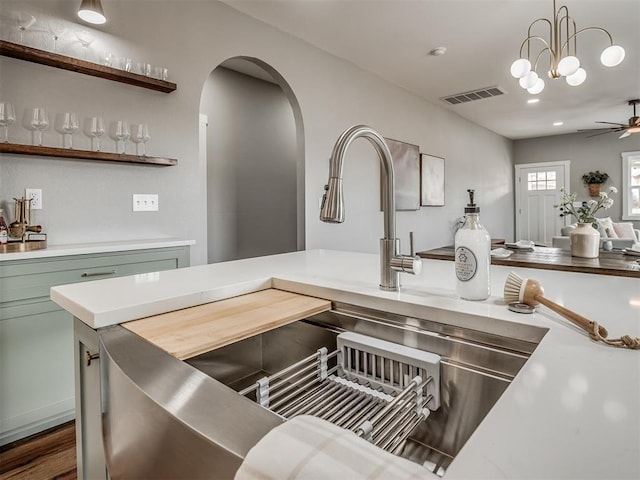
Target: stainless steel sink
197, 400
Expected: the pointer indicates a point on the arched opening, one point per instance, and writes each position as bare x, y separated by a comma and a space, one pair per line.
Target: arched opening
254, 148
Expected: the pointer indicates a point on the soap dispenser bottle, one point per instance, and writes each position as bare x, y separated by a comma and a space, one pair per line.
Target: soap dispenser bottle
472, 255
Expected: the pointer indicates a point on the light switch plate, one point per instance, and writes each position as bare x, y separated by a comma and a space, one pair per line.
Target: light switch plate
145, 202
35, 194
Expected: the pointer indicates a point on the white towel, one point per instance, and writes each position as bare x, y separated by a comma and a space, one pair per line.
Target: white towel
307, 447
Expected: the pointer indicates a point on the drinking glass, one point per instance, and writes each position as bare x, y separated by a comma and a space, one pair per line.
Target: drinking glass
124, 63
122, 134
56, 30
69, 127
7, 117
143, 68
39, 123
85, 39
140, 137
96, 130
107, 59
25, 22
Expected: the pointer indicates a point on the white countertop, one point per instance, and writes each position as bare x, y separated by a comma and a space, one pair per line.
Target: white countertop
98, 247
573, 411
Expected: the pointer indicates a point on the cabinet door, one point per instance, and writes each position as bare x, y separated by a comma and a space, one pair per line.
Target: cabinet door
35, 373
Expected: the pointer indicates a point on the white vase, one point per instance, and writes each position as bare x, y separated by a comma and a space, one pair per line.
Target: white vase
585, 241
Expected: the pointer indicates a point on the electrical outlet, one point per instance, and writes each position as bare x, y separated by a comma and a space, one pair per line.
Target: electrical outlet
35, 194
145, 202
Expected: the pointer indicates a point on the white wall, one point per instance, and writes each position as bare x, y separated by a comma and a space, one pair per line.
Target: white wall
251, 168
87, 201
586, 154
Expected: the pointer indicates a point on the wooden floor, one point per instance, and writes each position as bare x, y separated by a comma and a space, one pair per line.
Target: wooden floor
47, 455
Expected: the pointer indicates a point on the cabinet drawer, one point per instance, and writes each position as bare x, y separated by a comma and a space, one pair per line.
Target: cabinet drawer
25, 280
23, 308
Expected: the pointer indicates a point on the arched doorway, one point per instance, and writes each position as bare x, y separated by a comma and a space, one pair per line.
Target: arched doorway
255, 162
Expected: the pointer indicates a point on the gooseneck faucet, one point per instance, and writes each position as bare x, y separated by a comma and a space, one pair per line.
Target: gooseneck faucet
332, 211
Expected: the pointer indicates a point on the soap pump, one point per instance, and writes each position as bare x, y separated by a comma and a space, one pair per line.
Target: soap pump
472, 255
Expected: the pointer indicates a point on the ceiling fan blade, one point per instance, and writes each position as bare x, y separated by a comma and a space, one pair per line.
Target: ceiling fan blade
614, 123
625, 134
601, 133
595, 129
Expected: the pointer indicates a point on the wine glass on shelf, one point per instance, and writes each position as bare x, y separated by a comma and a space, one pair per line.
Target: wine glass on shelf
96, 130
7, 117
56, 30
25, 22
39, 123
140, 137
85, 39
69, 127
122, 134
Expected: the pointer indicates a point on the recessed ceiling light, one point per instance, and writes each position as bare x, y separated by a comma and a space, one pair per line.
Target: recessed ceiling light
438, 51
533, 100
557, 124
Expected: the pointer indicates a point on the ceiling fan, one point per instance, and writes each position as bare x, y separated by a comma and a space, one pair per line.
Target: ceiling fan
633, 126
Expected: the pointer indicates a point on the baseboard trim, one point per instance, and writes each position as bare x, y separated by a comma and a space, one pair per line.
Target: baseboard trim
38, 426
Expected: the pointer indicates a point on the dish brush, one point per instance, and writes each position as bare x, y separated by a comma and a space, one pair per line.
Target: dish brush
525, 290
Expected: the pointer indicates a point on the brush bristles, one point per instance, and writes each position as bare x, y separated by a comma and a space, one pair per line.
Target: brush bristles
513, 288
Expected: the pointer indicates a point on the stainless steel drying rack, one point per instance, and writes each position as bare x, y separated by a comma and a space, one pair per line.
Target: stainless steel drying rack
377, 389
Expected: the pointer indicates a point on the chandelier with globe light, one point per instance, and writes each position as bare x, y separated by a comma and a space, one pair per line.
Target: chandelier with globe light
561, 47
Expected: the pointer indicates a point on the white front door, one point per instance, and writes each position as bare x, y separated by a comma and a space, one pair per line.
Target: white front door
537, 191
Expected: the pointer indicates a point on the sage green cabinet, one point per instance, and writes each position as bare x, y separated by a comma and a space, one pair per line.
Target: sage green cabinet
36, 336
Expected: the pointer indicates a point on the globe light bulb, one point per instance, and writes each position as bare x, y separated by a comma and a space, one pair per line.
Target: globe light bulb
529, 80
520, 68
537, 88
568, 66
612, 56
577, 78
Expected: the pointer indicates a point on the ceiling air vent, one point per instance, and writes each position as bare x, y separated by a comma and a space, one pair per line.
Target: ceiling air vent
473, 95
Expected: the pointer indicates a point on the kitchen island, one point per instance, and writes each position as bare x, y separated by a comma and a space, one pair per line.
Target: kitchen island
572, 410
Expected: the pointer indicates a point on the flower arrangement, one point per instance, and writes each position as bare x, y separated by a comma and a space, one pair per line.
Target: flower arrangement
586, 213
595, 177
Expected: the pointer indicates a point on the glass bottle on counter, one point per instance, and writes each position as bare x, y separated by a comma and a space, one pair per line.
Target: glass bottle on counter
472, 255
4, 229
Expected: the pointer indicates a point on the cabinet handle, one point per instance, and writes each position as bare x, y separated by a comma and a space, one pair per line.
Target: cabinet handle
91, 356
97, 274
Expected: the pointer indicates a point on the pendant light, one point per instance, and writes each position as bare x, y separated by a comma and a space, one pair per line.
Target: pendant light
560, 47
91, 11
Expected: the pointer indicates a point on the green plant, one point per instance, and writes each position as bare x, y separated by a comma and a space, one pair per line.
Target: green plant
595, 177
586, 213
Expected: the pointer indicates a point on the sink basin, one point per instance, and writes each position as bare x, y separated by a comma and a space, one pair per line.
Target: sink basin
476, 368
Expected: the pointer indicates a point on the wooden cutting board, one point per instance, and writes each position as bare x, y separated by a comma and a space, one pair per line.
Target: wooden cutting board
196, 330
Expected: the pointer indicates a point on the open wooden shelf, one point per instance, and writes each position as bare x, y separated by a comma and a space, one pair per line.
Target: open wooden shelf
30, 54
68, 153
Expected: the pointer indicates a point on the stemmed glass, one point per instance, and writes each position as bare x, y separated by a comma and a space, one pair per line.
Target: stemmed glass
85, 39
39, 123
69, 127
25, 22
7, 117
122, 134
56, 30
140, 137
96, 130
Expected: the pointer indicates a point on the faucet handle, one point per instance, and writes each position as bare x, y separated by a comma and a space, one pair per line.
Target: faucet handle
406, 264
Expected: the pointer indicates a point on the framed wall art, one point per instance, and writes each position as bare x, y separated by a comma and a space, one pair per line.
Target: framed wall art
406, 165
431, 181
